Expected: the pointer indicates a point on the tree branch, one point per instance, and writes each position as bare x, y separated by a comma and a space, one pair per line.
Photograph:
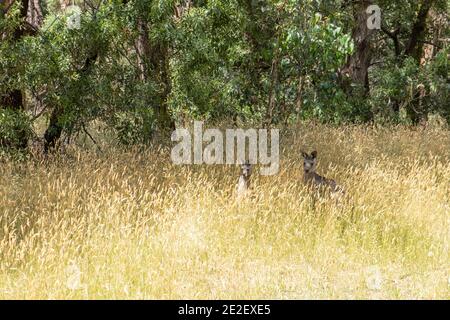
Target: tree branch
418, 29
8, 6
394, 36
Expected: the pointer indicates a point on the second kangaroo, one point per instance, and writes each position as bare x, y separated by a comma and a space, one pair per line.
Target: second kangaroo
310, 177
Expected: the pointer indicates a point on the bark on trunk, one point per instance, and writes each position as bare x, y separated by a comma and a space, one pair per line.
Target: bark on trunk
35, 16
415, 45
356, 69
153, 62
272, 91
414, 48
299, 98
142, 49
54, 130
13, 98
159, 61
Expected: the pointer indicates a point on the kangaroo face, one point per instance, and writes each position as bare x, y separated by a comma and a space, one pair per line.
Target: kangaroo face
246, 170
309, 161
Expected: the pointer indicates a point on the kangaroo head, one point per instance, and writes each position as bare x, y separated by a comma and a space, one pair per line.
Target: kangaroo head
309, 161
246, 170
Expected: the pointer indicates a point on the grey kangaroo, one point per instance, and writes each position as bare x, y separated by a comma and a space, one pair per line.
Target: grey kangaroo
244, 180
310, 177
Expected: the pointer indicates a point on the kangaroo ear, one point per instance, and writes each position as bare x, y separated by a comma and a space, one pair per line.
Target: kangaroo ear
314, 154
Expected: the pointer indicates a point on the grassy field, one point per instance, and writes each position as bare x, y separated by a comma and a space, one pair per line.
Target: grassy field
129, 224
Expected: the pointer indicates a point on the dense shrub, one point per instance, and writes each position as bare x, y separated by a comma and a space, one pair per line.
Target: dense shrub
15, 129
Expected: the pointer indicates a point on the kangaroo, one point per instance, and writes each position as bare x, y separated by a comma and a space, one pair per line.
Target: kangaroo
310, 177
244, 180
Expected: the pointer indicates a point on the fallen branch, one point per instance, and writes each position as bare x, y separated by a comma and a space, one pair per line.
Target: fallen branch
90, 137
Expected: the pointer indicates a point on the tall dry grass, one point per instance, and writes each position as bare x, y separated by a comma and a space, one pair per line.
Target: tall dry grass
129, 224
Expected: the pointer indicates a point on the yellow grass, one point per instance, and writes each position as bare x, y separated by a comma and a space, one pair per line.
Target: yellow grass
129, 224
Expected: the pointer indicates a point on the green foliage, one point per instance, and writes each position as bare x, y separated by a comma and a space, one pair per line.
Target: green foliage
134, 128
15, 129
415, 90
227, 53
138, 65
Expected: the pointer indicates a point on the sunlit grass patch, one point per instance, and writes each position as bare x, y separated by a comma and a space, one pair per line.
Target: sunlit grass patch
129, 224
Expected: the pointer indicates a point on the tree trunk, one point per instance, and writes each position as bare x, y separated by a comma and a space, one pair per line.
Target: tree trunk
356, 70
55, 128
299, 98
142, 49
153, 62
414, 46
13, 97
272, 91
35, 16
5, 6
259, 35
159, 60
